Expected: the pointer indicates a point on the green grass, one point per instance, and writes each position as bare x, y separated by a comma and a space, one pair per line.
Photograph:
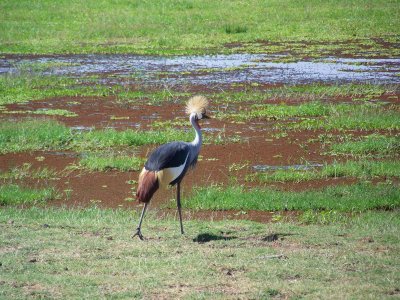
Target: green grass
360, 117
335, 90
358, 197
100, 139
185, 26
51, 135
372, 145
363, 169
111, 161
26, 86
310, 92
280, 111
23, 87
11, 194
88, 253
33, 135
46, 112
318, 115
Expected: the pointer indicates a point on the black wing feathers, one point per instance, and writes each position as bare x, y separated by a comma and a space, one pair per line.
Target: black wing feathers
167, 156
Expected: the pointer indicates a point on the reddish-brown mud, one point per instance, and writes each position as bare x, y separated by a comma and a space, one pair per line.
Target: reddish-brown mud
101, 112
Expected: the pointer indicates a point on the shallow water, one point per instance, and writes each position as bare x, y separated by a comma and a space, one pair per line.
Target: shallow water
216, 69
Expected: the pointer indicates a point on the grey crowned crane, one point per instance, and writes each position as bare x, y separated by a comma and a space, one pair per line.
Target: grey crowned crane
168, 164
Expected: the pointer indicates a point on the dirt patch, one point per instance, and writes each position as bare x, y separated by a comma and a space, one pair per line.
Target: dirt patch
57, 161
104, 112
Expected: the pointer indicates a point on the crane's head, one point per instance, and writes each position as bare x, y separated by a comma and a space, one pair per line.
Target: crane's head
196, 108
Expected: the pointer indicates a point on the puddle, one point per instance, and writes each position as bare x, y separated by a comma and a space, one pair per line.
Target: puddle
205, 70
63, 154
305, 167
211, 129
81, 128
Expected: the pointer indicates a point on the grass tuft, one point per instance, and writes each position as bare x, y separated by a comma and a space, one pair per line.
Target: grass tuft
100, 139
375, 145
234, 29
361, 117
47, 112
12, 194
363, 169
33, 135
51, 135
358, 197
26, 171
111, 161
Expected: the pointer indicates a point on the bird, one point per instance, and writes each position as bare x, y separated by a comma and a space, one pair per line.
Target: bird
169, 163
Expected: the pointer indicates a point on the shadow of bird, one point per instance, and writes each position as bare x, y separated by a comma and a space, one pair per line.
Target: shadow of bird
208, 237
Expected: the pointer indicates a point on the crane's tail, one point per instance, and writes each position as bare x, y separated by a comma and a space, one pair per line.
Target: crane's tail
147, 186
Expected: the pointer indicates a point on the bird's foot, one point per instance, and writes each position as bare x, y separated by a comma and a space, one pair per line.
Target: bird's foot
139, 234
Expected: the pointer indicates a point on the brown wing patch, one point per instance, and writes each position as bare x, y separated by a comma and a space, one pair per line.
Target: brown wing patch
147, 186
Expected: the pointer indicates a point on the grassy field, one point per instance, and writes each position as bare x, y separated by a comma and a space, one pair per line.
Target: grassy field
187, 26
60, 253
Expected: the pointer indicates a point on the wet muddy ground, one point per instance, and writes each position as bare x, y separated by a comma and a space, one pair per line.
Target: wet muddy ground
257, 146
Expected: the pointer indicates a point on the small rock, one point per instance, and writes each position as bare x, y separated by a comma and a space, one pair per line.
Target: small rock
46, 225
110, 238
10, 222
367, 239
33, 260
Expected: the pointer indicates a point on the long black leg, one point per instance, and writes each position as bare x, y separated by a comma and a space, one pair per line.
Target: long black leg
178, 202
138, 229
